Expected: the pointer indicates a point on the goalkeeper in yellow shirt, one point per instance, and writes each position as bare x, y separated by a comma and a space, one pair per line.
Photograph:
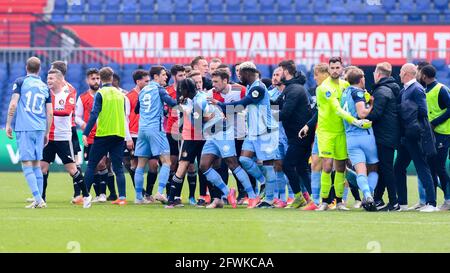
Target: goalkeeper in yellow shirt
331, 134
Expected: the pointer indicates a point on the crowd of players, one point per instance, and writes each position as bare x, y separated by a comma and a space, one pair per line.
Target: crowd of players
287, 147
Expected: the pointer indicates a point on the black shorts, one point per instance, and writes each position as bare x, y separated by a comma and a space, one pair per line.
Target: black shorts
75, 141
190, 149
173, 144
86, 152
63, 149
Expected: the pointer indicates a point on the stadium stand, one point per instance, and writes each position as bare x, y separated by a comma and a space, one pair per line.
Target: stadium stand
253, 11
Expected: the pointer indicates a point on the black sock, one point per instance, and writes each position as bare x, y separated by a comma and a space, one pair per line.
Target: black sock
203, 182
96, 184
192, 180
338, 200
151, 179
132, 172
76, 189
332, 194
103, 177
355, 193
169, 183
79, 179
223, 171
111, 185
175, 187
44, 188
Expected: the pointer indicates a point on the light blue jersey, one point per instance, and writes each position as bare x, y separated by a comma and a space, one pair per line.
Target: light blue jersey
151, 106
259, 115
350, 97
31, 112
152, 140
361, 146
283, 142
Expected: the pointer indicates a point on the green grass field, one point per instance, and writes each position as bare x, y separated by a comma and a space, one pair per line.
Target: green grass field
151, 228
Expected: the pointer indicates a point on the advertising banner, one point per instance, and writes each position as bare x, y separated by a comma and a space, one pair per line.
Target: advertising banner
363, 45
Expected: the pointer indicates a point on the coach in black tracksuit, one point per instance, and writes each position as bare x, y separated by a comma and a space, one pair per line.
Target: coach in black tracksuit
295, 112
386, 128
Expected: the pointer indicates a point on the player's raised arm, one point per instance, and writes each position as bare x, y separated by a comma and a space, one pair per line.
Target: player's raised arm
166, 98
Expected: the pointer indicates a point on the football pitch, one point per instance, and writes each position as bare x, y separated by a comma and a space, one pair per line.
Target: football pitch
63, 227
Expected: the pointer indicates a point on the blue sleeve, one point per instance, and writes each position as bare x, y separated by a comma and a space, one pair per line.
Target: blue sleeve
444, 103
358, 96
420, 99
49, 98
17, 86
96, 109
165, 97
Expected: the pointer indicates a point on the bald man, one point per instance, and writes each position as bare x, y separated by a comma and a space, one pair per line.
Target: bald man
415, 139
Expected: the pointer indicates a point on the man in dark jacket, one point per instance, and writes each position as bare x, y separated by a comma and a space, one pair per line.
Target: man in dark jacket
415, 136
295, 112
386, 127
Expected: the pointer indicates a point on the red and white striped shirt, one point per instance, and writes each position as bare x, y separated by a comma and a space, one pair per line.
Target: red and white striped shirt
84, 106
63, 104
233, 92
71, 89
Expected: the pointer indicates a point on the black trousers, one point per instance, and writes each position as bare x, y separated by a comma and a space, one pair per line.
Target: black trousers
295, 164
386, 176
114, 145
410, 150
438, 164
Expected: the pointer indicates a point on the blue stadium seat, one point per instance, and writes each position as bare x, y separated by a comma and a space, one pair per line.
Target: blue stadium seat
406, 5
440, 64
432, 16
284, 5
60, 6
216, 18
233, 6
147, 10
199, 11
130, 10
94, 5
58, 17
306, 18
198, 6
288, 18
92, 65
396, 18
441, 4
303, 6
251, 10
215, 6
233, 9
265, 70
320, 6
164, 10
423, 6
114, 6
115, 66
442, 75
268, 5
355, 13
76, 12
389, 5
